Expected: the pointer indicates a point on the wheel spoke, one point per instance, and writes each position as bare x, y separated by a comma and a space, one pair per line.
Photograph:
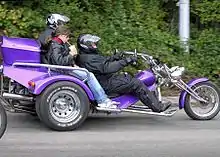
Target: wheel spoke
205, 109
64, 106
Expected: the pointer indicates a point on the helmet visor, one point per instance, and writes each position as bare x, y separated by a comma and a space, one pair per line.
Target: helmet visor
65, 19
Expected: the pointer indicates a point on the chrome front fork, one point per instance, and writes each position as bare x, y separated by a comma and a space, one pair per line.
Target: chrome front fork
182, 85
158, 92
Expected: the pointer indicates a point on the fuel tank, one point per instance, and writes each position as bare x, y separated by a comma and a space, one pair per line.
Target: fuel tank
146, 76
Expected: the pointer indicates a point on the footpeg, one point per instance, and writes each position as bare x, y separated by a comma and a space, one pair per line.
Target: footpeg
108, 109
170, 110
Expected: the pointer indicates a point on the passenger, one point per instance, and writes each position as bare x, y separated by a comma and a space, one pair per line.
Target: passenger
52, 21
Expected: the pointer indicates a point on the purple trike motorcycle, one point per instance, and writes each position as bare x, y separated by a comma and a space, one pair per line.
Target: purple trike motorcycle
63, 102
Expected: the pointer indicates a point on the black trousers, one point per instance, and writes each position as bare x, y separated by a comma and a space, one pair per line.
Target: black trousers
125, 83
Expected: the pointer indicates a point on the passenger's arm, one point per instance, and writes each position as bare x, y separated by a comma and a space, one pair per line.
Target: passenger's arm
60, 59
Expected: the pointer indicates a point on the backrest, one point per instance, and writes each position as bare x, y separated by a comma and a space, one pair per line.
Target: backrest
20, 50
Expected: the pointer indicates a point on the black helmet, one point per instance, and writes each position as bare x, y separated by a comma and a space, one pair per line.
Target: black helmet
88, 42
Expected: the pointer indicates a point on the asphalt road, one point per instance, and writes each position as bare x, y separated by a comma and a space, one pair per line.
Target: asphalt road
122, 135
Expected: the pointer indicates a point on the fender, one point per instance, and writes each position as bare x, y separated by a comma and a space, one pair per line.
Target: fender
42, 83
184, 93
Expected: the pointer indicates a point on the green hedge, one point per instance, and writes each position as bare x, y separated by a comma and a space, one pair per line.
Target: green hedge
150, 25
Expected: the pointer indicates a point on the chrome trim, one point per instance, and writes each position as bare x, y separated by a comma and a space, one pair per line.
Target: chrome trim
52, 66
167, 113
2, 84
138, 106
139, 54
180, 84
1, 68
17, 97
159, 94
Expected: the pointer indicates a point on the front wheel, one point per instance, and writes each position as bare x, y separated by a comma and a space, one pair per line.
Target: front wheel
3, 120
200, 110
63, 106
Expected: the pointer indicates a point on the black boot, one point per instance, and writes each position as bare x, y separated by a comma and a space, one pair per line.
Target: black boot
165, 106
149, 99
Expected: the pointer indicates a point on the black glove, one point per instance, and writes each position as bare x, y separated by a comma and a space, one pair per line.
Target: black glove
118, 56
157, 61
131, 60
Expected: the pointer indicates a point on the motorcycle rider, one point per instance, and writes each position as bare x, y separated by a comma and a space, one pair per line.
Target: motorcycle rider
59, 54
106, 68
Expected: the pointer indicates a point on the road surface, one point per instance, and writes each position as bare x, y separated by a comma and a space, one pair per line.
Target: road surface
122, 135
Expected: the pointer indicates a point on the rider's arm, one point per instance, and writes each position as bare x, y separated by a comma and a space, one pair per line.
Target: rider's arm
111, 58
114, 57
103, 66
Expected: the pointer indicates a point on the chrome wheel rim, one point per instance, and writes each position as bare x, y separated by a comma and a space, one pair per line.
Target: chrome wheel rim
210, 95
0, 120
64, 106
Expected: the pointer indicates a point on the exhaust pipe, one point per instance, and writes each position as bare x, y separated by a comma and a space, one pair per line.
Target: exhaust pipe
169, 113
17, 97
166, 114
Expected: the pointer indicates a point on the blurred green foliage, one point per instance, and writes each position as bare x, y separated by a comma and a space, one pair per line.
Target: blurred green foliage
145, 25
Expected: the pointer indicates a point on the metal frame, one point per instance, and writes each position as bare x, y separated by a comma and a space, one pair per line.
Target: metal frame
52, 67
180, 84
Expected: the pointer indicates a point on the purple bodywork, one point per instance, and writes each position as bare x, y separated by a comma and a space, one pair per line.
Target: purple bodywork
20, 50
28, 51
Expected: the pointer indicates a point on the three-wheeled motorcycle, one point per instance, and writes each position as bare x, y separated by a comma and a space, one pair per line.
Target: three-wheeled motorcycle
62, 102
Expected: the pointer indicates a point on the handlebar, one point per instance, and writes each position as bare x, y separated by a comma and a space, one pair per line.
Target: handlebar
158, 67
138, 54
146, 57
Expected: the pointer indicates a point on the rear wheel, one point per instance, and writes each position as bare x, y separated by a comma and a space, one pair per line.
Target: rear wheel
63, 106
200, 110
3, 120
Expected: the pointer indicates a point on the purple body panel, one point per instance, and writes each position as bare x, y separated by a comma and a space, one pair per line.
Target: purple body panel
21, 75
21, 43
184, 93
41, 79
20, 50
147, 77
42, 83
127, 100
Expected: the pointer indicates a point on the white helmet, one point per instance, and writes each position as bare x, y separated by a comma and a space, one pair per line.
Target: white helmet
54, 20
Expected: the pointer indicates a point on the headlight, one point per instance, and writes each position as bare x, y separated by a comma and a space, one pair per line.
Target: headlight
178, 72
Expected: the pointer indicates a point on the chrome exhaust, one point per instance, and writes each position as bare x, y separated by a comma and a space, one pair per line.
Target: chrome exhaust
168, 113
17, 97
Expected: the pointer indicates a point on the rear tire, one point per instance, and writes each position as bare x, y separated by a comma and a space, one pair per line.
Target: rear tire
63, 106
213, 112
3, 120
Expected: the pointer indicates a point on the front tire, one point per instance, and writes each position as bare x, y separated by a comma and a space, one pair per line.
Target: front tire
209, 92
63, 106
3, 121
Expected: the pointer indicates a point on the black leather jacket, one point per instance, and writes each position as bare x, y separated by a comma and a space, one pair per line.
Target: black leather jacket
44, 36
103, 67
58, 54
